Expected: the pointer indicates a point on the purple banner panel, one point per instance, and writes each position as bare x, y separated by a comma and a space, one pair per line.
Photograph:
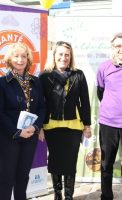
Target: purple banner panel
40, 158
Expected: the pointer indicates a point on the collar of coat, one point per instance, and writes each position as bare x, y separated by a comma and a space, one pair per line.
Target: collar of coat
10, 76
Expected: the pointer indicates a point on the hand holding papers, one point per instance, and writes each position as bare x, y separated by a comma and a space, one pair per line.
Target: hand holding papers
85, 141
26, 119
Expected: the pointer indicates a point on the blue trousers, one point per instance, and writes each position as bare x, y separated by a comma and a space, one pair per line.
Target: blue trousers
109, 143
16, 158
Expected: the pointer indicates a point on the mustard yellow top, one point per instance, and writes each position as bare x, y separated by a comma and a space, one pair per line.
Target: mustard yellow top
72, 124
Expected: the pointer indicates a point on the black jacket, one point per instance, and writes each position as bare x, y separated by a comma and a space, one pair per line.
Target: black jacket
61, 106
12, 101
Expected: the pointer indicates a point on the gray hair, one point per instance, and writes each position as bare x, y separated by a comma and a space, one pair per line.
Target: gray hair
117, 35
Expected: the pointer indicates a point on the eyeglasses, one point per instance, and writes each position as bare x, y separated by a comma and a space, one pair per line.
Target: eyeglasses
118, 46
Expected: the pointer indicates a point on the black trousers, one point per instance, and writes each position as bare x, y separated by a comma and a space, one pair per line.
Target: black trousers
16, 158
109, 142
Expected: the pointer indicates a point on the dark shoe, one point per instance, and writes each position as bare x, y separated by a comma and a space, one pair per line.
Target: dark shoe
57, 185
69, 182
58, 195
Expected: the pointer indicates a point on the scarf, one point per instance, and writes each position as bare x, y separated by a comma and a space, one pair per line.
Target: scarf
58, 95
24, 81
61, 77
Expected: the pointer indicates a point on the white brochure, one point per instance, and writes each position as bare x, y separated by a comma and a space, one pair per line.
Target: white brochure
26, 119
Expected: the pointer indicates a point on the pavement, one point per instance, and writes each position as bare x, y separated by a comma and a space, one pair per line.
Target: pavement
83, 191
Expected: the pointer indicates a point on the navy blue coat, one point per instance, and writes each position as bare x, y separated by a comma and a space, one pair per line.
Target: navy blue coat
12, 101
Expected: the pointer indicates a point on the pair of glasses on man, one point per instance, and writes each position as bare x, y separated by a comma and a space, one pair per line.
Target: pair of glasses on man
117, 46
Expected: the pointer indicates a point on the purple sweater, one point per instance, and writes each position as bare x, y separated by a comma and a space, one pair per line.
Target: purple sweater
109, 79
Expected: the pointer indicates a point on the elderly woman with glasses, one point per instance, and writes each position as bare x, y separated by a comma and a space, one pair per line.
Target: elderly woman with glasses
68, 116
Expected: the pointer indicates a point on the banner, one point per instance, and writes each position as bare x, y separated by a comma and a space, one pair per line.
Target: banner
38, 176
21, 24
90, 38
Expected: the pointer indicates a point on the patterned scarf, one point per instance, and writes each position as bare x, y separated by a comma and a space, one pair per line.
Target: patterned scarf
24, 81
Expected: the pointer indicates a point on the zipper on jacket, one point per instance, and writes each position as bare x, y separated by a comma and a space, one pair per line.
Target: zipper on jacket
63, 109
71, 84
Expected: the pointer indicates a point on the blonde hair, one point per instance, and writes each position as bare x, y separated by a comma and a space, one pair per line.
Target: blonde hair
12, 48
50, 64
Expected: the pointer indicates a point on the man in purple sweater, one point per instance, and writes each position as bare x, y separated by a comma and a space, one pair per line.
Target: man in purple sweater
109, 91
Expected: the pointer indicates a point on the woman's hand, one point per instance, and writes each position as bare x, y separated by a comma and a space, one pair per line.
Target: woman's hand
27, 132
87, 131
41, 135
